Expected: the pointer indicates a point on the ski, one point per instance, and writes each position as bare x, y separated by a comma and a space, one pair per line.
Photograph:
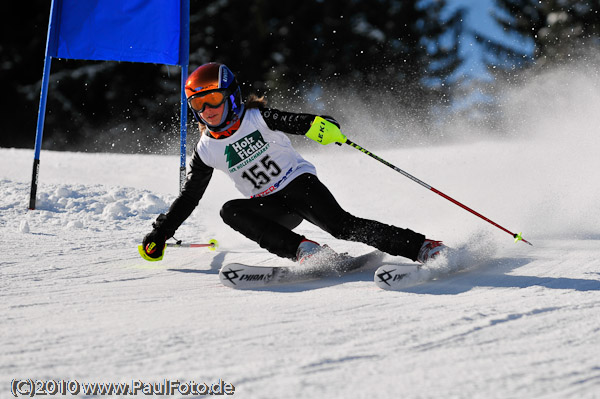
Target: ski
451, 262
396, 277
242, 276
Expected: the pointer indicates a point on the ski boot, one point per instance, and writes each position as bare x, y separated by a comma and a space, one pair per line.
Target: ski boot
430, 250
310, 253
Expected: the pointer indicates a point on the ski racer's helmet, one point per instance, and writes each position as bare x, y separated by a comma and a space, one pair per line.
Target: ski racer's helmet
211, 85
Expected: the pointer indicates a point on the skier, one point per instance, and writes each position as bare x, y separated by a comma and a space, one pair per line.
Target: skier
246, 141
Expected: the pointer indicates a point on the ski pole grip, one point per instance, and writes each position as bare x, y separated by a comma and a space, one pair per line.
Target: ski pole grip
324, 132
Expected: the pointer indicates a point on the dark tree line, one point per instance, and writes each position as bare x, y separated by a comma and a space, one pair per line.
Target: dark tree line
302, 55
313, 55
562, 30
554, 32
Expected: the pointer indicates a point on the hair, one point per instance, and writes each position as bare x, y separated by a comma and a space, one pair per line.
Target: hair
253, 101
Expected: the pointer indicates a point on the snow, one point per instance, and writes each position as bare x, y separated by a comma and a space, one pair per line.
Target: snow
77, 301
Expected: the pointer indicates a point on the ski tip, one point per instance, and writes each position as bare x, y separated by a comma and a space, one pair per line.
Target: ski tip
395, 277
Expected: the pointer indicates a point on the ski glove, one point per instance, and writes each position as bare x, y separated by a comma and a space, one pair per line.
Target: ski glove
153, 246
325, 131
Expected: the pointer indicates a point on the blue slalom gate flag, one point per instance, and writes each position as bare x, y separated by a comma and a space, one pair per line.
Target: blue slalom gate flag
119, 30
154, 31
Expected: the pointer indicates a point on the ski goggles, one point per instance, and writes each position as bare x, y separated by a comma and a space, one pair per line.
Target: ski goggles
213, 99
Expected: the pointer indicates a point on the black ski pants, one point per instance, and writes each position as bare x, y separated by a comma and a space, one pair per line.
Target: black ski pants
269, 220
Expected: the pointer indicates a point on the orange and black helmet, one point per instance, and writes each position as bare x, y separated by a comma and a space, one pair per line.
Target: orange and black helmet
211, 85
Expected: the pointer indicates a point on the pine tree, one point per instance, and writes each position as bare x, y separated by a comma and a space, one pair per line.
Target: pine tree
442, 41
383, 49
558, 31
561, 29
319, 54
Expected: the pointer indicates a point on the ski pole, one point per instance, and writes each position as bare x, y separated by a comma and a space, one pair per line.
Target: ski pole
517, 237
212, 245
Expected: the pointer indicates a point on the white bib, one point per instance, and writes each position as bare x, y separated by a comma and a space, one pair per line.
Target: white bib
259, 160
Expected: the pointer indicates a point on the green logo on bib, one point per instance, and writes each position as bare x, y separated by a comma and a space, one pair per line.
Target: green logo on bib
245, 150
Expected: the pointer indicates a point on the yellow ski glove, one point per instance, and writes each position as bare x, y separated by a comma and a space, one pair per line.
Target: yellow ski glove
325, 132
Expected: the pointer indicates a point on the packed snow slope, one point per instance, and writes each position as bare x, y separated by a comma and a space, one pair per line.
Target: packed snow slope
78, 303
